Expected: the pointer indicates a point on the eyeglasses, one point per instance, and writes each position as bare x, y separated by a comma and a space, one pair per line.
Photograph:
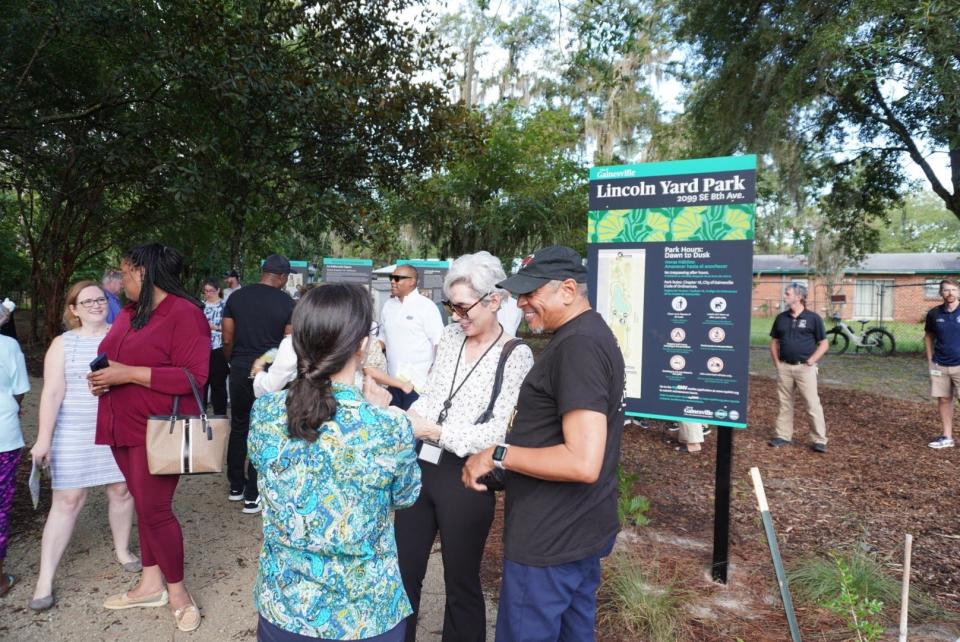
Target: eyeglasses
459, 309
396, 278
86, 304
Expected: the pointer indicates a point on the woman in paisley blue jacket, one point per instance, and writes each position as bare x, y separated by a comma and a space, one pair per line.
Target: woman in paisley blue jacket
333, 468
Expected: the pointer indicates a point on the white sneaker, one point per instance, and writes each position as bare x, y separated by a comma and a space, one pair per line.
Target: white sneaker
941, 442
252, 507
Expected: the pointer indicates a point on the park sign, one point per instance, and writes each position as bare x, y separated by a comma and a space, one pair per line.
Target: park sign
345, 270
670, 254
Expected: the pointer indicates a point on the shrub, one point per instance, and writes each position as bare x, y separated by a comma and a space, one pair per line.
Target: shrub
820, 579
632, 601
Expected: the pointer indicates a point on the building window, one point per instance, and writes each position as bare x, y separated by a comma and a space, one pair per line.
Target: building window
870, 296
931, 289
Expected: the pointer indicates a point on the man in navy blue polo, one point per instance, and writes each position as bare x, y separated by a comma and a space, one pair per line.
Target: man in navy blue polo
942, 342
797, 341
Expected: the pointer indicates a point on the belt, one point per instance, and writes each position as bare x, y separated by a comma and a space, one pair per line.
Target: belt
794, 363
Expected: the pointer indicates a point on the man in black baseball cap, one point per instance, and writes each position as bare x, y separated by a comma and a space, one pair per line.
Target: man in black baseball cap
255, 320
276, 264
554, 263
551, 287
567, 427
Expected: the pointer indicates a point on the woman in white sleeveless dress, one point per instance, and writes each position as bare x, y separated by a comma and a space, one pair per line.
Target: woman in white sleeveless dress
68, 417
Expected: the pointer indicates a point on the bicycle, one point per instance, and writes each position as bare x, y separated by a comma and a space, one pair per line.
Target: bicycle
876, 341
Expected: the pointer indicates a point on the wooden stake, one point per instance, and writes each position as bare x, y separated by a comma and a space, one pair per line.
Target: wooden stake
905, 590
775, 553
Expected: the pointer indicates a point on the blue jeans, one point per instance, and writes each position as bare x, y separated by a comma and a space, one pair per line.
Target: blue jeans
548, 603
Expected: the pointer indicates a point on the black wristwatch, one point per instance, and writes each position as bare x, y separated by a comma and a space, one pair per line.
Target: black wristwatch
499, 452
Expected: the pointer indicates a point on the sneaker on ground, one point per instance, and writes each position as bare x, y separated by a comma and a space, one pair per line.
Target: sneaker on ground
252, 507
707, 430
674, 426
818, 448
941, 442
235, 495
776, 442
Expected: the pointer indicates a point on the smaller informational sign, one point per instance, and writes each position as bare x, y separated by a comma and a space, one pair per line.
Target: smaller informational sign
431, 274
358, 271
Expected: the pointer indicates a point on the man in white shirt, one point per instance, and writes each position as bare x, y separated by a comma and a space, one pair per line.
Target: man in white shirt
231, 279
509, 315
410, 327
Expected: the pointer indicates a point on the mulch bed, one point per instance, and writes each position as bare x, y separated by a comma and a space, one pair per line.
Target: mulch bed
878, 481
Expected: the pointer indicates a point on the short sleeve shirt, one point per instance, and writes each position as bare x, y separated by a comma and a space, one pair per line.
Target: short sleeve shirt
260, 313
214, 314
410, 329
944, 326
548, 523
13, 381
799, 335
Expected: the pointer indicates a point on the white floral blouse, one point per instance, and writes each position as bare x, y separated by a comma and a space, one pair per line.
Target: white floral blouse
460, 434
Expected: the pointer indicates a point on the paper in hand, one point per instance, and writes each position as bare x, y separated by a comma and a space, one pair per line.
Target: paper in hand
34, 484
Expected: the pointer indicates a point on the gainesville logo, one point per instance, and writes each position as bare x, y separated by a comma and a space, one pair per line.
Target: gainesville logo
697, 412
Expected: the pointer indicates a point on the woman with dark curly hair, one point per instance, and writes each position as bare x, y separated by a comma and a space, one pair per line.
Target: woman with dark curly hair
158, 338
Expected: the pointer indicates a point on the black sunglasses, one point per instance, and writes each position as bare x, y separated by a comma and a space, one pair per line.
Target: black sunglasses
461, 310
396, 278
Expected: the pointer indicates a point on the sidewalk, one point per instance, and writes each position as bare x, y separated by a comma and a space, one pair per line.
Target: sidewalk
221, 547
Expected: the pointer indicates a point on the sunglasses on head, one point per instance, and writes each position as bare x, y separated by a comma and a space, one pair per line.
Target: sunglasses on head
396, 278
462, 310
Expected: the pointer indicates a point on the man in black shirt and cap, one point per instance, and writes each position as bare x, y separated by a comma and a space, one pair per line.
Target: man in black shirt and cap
560, 458
797, 341
255, 320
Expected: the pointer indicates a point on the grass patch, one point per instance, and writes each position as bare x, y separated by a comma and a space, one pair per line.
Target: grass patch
817, 580
635, 601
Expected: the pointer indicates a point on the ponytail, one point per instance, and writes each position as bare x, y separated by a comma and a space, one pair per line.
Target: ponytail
329, 325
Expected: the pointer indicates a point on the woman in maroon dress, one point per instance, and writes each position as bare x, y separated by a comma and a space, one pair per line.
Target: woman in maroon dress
156, 338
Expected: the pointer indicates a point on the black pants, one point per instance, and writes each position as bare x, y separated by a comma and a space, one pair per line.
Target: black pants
241, 400
215, 391
463, 518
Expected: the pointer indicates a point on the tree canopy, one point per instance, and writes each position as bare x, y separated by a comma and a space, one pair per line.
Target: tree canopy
221, 125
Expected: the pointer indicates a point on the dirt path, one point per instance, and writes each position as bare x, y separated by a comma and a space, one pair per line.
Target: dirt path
221, 547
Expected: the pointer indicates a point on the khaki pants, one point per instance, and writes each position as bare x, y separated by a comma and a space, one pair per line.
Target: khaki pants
803, 378
690, 433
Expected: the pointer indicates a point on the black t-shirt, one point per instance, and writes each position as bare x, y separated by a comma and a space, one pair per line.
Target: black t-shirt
548, 523
260, 313
798, 336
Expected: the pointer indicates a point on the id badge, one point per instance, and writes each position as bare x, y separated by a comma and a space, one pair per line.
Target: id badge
430, 452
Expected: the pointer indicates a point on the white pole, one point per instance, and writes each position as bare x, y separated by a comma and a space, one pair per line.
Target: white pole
905, 591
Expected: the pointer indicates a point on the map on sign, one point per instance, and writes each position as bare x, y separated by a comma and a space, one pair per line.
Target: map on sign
620, 279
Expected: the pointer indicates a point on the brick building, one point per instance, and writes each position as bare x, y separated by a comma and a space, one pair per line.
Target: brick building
901, 286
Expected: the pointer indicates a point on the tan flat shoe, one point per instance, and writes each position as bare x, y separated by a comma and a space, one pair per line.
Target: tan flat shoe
124, 601
187, 617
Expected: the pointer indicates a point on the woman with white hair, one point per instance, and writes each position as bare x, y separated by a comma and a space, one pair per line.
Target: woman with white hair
451, 419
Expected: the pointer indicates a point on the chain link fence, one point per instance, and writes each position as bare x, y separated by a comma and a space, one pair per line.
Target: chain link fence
897, 306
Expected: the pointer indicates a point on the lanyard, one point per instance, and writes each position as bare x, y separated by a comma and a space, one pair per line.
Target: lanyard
453, 393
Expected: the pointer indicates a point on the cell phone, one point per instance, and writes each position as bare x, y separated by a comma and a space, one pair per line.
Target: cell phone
100, 362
